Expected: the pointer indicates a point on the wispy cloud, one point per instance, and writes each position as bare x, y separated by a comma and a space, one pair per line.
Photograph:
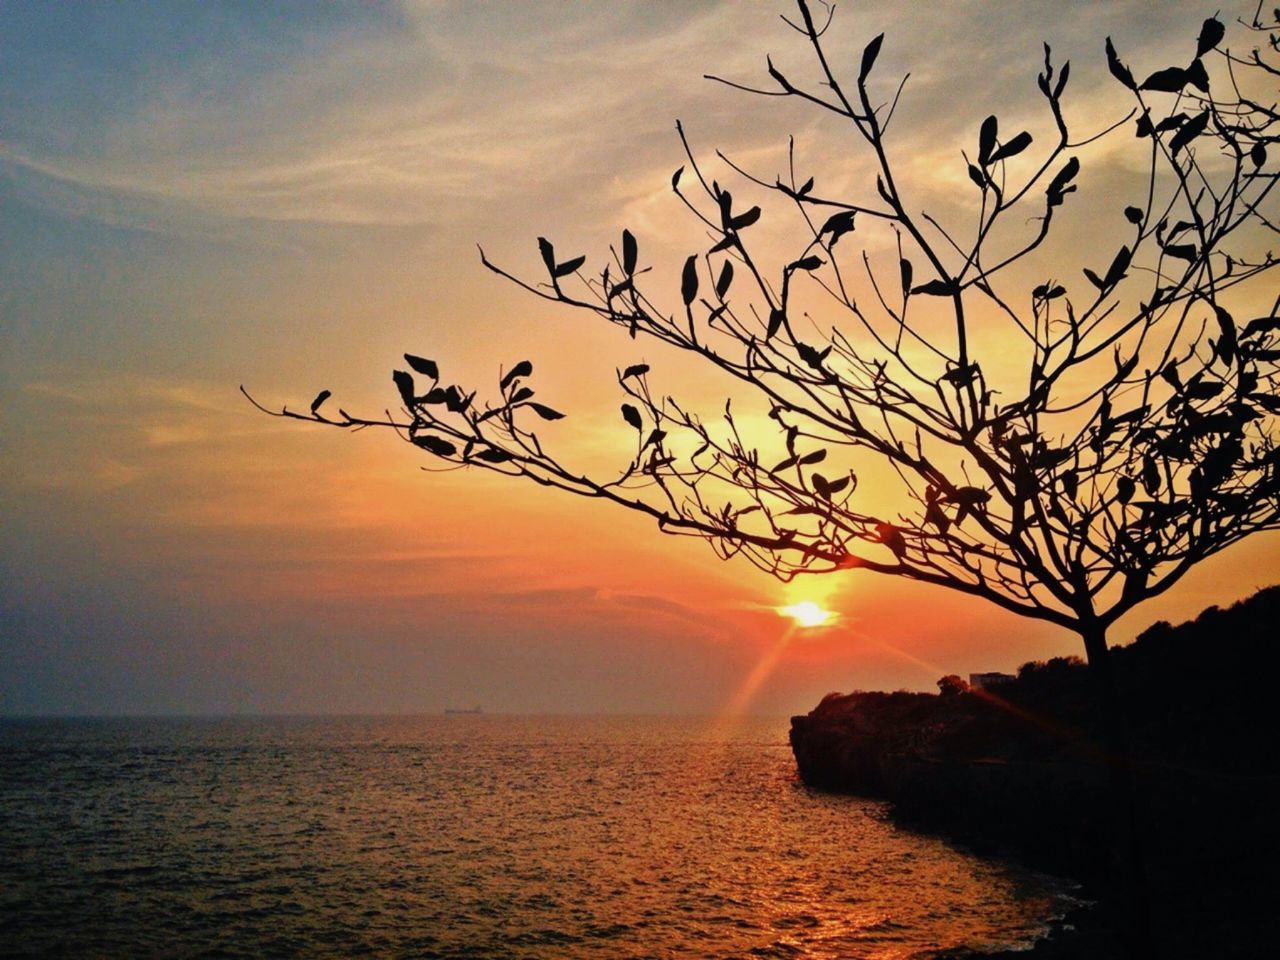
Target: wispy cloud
451, 112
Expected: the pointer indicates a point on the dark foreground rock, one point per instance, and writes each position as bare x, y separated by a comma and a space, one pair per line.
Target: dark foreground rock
1017, 772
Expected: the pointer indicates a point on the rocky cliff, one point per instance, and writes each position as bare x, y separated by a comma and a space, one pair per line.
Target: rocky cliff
1017, 770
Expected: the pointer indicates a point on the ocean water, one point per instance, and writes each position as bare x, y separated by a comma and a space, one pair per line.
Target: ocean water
467, 836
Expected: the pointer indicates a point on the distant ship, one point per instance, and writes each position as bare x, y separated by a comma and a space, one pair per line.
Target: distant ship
454, 711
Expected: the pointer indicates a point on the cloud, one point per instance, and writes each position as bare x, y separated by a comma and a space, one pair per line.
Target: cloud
445, 112
387, 128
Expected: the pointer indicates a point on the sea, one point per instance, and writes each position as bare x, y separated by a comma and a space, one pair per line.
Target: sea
469, 836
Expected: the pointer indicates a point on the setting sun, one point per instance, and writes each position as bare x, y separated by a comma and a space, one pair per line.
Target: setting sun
806, 613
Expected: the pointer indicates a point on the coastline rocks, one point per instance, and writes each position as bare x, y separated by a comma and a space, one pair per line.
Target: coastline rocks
1017, 772
896, 746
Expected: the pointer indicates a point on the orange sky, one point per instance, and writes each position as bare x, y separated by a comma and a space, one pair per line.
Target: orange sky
289, 198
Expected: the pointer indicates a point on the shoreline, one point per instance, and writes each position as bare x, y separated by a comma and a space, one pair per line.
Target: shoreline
1210, 846
1017, 772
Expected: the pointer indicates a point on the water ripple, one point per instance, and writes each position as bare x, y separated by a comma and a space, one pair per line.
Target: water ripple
466, 837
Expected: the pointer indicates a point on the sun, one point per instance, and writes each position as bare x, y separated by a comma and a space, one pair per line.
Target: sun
806, 613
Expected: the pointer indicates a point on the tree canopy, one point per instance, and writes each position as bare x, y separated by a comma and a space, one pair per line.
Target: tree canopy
1071, 430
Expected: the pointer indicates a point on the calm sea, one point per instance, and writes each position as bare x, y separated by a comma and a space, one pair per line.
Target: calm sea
466, 836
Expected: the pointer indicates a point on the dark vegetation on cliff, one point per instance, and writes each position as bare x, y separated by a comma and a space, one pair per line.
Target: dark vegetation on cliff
1019, 769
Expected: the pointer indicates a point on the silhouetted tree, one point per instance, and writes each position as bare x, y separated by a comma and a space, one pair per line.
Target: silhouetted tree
952, 685
1136, 437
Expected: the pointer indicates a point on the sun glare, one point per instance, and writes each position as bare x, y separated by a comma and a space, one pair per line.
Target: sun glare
807, 614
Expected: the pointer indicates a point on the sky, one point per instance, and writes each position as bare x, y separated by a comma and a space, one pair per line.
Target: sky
290, 196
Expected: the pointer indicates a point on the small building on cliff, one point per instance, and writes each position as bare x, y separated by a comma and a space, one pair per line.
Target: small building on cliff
989, 681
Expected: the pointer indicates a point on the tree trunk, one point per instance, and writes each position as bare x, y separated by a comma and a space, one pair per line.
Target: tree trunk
1125, 807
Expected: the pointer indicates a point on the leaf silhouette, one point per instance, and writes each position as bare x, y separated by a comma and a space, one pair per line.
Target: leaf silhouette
1116, 272
726, 278
1211, 34
1133, 215
1058, 186
1046, 459
905, 270
937, 516
1150, 476
1228, 343
935, 288
1267, 401
404, 383
620, 288
1197, 76
635, 370
838, 225
548, 255
1203, 389
869, 54
1258, 154
632, 416
1189, 131
568, 267
892, 538
970, 499
423, 366
455, 401
1070, 483
809, 459
437, 445
1013, 147
808, 263
689, 280
545, 412
1125, 488
1045, 292
1261, 325
494, 455
629, 253
744, 220
724, 243
811, 356
725, 200
987, 140
1168, 80
961, 376
522, 369
776, 317
321, 397
1118, 69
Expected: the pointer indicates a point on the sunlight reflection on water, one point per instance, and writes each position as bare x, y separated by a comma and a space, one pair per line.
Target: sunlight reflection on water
476, 836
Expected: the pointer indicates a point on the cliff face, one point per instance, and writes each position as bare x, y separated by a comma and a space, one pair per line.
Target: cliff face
960, 765
1018, 770
1198, 696
850, 743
